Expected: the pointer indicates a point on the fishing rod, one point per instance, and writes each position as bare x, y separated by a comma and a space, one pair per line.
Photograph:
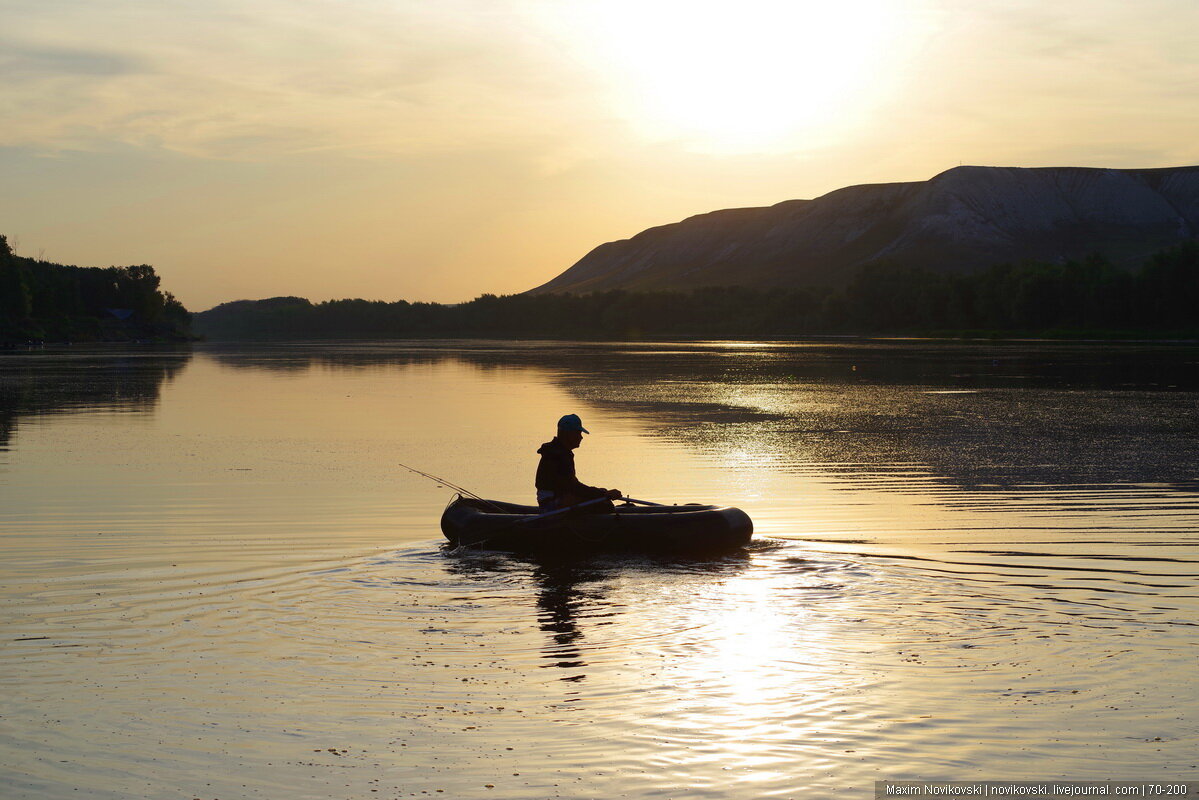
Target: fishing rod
446, 484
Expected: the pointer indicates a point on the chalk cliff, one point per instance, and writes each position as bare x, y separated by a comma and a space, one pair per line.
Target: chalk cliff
961, 220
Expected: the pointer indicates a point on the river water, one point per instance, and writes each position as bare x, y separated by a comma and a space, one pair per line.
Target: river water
971, 561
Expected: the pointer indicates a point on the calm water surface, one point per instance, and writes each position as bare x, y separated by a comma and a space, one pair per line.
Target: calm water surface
972, 562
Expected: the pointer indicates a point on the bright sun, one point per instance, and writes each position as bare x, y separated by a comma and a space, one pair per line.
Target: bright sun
741, 76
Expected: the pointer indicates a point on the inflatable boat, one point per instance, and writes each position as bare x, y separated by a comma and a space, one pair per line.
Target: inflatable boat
496, 525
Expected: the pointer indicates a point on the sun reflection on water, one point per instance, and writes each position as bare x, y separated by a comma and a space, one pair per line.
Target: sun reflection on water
754, 690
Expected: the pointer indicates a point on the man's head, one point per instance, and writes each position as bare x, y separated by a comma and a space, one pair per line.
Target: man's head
571, 430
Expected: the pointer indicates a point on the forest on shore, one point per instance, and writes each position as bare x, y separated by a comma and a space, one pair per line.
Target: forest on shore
1076, 299
42, 301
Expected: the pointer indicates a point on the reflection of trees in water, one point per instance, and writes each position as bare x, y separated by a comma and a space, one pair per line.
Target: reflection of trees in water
573, 596
297, 358
1044, 413
285, 360
948, 364
43, 382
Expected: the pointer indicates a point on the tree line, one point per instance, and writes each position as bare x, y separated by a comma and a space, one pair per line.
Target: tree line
42, 301
1091, 297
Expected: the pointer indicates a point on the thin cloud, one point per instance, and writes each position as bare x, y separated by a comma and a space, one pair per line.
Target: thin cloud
217, 80
21, 61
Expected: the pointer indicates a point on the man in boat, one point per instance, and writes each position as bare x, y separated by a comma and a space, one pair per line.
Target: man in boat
557, 486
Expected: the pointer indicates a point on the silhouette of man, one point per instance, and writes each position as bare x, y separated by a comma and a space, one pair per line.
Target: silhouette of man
557, 486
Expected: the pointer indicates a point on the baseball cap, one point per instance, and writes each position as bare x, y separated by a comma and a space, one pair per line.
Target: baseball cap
571, 422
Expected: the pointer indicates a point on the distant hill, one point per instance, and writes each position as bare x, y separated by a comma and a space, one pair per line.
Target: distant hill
273, 317
1076, 299
960, 221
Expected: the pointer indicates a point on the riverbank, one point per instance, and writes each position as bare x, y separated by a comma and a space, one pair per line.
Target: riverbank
1089, 300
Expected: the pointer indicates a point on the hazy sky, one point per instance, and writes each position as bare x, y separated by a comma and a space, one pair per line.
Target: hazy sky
440, 149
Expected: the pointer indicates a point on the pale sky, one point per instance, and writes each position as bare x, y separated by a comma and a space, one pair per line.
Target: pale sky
440, 149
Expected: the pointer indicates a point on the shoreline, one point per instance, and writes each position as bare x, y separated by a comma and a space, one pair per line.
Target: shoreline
1014, 338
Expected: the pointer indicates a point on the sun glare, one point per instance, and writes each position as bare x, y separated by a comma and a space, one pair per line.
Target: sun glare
741, 76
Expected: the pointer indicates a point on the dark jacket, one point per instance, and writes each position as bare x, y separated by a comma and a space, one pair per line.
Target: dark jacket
556, 475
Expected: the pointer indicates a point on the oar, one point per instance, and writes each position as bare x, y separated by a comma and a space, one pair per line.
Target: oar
548, 514
639, 502
530, 520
